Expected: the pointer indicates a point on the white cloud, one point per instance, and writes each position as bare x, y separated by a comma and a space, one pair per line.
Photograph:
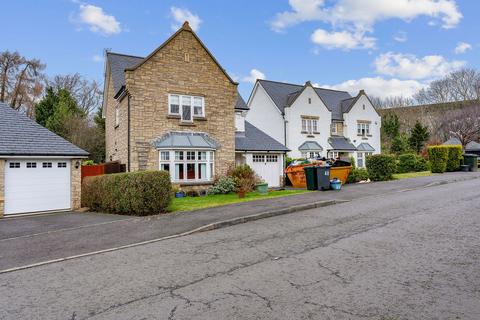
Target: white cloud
254, 75
98, 20
97, 58
410, 67
180, 15
364, 14
462, 47
401, 36
342, 40
380, 87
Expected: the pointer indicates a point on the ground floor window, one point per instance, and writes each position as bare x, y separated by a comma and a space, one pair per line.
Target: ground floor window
311, 155
361, 158
188, 165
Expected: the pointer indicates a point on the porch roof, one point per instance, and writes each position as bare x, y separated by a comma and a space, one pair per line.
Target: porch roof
365, 147
310, 146
193, 140
341, 144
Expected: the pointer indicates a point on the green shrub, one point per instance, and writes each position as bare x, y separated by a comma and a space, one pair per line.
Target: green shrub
438, 157
381, 167
400, 145
407, 163
244, 176
88, 163
357, 175
421, 164
138, 193
454, 157
223, 185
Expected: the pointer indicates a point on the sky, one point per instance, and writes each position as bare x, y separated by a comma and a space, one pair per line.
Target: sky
387, 47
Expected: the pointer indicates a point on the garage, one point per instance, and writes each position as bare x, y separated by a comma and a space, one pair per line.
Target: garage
34, 185
39, 171
268, 168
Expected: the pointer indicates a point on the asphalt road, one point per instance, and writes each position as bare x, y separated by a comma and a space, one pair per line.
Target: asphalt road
408, 255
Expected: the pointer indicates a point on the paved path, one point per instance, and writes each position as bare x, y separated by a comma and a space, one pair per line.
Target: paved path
30, 240
404, 255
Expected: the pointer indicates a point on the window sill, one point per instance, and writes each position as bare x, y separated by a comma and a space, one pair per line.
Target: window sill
193, 183
187, 124
310, 136
199, 118
174, 116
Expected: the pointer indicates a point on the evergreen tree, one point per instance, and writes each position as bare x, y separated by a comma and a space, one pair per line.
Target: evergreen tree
46, 107
391, 125
418, 137
400, 144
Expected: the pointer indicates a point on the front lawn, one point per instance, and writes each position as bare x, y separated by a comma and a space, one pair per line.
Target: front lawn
193, 203
412, 175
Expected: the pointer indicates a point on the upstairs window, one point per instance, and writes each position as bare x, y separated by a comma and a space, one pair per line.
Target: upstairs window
186, 107
309, 126
363, 129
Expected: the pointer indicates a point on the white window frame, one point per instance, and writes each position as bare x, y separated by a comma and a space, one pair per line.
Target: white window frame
333, 128
363, 129
186, 157
310, 126
181, 98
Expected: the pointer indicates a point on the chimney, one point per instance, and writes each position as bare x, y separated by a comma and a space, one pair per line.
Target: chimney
186, 26
361, 92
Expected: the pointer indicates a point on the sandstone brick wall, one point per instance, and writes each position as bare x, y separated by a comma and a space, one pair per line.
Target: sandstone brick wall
116, 137
76, 184
168, 72
2, 187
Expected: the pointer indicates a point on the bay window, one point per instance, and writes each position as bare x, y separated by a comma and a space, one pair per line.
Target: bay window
186, 107
188, 165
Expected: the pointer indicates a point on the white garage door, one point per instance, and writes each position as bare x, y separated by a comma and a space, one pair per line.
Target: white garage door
37, 185
267, 166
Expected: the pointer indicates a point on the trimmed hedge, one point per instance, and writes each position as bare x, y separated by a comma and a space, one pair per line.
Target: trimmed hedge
381, 167
454, 157
410, 162
357, 175
135, 193
438, 157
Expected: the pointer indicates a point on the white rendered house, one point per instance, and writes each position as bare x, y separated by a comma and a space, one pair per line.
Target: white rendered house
315, 122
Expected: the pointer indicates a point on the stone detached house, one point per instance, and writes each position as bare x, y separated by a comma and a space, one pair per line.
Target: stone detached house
316, 122
178, 110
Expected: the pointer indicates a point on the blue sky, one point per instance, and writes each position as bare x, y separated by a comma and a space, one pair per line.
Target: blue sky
386, 47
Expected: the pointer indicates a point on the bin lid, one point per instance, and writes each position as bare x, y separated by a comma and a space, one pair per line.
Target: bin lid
470, 155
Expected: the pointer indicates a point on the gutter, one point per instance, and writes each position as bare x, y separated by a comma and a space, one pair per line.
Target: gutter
128, 133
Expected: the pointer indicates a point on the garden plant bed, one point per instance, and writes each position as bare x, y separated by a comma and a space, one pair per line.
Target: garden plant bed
194, 203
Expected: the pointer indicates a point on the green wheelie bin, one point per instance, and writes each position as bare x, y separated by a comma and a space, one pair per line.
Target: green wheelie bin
311, 177
471, 161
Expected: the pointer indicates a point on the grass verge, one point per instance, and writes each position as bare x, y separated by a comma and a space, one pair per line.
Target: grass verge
412, 175
194, 203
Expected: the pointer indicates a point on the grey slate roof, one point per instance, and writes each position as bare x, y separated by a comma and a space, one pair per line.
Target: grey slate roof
118, 63
283, 94
452, 141
472, 146
310, 146
366, 147
240, 104
253, 139
197, 140
21, 136
341, 143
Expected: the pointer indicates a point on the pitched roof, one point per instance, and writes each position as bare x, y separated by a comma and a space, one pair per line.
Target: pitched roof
185, 139
19, 135
283, 94
310, 146
472, 146
253, 139
452, 141
366, 147
341, 143
121, 62
118, 63
240, 104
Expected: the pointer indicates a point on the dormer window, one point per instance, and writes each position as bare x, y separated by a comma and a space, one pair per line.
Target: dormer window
186, 107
